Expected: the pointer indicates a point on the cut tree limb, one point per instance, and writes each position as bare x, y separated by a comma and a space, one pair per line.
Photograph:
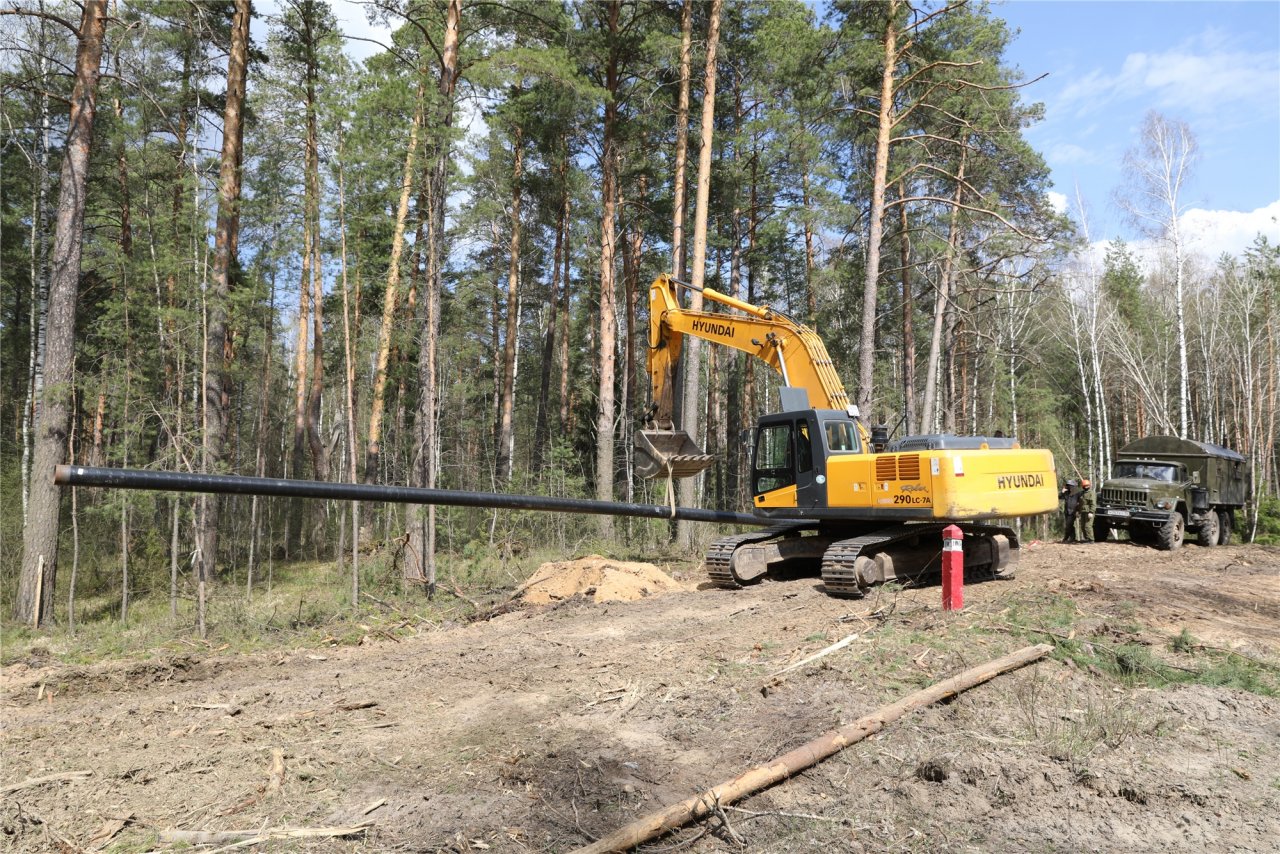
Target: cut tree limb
241, 838
276, 778
806, 755
838, 645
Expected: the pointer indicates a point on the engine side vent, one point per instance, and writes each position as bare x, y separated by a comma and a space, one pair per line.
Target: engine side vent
909, 467
886, 467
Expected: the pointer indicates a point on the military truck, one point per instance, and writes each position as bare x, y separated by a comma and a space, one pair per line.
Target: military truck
1163, 487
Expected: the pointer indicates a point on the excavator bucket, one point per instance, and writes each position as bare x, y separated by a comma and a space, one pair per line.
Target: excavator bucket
668, 453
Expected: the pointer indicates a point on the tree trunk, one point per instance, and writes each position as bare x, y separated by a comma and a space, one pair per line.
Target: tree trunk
506, 404
218, 336
377, 402
542, 423
426, 467
729, 468
693, 346
349, 376
319, 456
743, 498
605, 414
40, 534
633, 255
810, 295
908, 324
562, 359
293, 531
929, 421
806, 755
867, 345
38, 321
682, 141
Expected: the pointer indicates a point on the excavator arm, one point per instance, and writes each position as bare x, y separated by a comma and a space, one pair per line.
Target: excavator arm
791, 349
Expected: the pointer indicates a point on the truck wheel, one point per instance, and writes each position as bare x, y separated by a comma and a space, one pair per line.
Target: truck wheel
1100, 530
1224, 527
1169, 535
1210, 529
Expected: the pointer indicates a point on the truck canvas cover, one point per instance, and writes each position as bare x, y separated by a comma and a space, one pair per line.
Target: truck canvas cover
1172, 446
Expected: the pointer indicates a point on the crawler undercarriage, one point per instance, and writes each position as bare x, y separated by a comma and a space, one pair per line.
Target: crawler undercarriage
851, 557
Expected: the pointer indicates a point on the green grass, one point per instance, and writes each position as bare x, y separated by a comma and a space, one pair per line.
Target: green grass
306, 604
1120, 652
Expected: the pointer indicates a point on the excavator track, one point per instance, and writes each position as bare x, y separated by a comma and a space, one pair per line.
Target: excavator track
852, 565
719, 560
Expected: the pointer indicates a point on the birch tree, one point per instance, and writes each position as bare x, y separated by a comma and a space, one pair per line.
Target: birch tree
1157, 170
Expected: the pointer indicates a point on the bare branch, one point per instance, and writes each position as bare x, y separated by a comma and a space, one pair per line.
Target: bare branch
48, 16
963, 206
935, 14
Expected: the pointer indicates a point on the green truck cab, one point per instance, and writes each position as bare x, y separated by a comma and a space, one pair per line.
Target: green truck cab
1162, 487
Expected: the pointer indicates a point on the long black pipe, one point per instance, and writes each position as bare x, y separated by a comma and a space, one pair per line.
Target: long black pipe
224, 484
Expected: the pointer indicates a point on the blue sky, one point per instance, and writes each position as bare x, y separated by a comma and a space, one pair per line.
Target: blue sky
1213, 65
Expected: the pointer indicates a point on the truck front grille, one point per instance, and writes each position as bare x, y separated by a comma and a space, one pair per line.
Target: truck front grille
1124, 497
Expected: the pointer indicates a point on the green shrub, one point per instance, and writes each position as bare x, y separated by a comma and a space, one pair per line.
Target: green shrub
1268, 521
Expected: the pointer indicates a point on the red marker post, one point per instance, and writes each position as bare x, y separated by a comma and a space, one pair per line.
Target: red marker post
952, 568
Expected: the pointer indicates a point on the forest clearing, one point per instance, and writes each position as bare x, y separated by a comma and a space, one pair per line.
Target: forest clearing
1155, 724
619, 253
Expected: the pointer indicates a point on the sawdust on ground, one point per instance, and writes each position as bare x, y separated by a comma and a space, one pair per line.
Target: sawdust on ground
596, 578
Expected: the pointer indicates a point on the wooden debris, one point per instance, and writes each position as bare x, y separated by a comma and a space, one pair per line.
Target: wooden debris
838, 645
245, 838
109, 829
713, 801
276, 778
360, 704
40, 781
373, 806
206, 837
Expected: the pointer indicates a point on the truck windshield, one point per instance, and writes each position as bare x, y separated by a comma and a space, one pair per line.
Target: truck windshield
1147, 471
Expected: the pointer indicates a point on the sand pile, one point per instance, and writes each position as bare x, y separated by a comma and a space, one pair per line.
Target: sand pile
601, 579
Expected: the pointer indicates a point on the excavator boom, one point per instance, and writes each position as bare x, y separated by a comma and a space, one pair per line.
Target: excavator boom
791, 349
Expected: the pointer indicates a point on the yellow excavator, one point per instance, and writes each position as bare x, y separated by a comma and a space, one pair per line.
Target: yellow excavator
858, 508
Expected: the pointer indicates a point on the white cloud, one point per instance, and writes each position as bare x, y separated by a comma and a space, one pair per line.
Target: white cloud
1198, 77
1068, 153
1211, 233
1208, 235
1057, 201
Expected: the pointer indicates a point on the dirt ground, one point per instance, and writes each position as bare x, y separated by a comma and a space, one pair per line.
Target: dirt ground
550, 725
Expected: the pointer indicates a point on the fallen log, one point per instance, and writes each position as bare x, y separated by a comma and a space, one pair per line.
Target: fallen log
806, 755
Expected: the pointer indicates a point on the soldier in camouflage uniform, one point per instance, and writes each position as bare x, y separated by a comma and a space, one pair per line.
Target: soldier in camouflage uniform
1084, 513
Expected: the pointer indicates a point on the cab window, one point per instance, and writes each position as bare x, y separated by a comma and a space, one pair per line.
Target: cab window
804, 447
841, 438
774, 468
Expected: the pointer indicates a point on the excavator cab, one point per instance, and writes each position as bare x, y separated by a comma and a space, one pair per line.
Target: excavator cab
668, 453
